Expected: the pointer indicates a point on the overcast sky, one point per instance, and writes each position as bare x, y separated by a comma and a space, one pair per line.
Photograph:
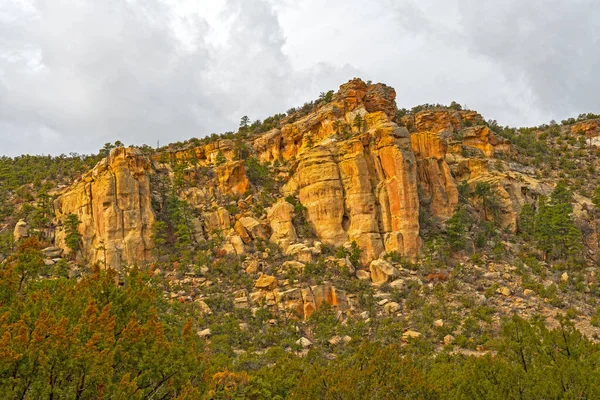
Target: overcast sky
75, 74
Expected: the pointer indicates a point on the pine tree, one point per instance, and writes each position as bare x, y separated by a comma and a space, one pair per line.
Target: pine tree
526, 221
488, 196
596, 198
220, 159
543, 227
40, 219
359, 123
73, 238
456, 228
555, 231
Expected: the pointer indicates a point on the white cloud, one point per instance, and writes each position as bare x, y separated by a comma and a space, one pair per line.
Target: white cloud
75, 74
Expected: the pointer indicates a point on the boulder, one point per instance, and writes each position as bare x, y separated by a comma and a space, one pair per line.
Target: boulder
335, 340
238, 244
391, 307
21, 230
397, 284
252, 267
218, 220
304, 342
205, 333
266, 282
242, 232
280, 218
52, 252
363, 275
256, 230
292, 266
382, 271
204, 308
410, 334
504, 291
300, 252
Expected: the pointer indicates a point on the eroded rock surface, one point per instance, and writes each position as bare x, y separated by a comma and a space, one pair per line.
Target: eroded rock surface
113, 203
360, 172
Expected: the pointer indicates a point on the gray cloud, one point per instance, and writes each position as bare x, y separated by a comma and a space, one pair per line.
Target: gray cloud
547, 52
102, 71
553, 45
77, 74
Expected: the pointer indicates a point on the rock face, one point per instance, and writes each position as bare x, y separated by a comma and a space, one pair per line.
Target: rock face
452, 146
360, 173
232, 178
113, 203
280, 217
441, 139
363, 188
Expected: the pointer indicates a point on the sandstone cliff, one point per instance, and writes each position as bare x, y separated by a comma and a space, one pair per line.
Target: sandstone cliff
113, 203
360, 173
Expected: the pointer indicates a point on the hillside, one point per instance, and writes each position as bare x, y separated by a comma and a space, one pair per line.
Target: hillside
429, 241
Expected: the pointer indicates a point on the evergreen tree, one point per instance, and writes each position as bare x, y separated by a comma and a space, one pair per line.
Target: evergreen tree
40, 219
487, 195
463, 192
73, 237
456, 228
555, 231
526, 221
220, 158
543, 227
359, 123
596, 198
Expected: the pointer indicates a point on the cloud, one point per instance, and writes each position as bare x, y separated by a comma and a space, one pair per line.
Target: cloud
75, 74
552, 45
546, 52
96, 72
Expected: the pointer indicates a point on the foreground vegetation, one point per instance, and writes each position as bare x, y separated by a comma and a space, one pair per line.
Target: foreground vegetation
113, 335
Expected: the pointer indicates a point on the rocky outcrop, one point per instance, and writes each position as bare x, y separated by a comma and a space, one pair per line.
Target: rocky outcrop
359, 175
255, 229
302, 302
21, 230
589, 128
451, 146
512, 191
113, 203
363, 191
438, 193
232, 178
362, 188
280, 216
